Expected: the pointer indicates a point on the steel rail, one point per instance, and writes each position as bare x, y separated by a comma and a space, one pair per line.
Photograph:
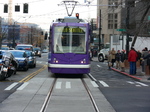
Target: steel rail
90, 95
47, 99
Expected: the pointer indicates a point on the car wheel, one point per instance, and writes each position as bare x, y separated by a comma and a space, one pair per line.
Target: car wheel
101, 58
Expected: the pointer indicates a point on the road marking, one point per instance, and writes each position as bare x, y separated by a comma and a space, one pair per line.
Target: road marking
68, 85
130, 82
58, 85
23, 86
142, 84
104, 84
92, 77
94, 84
11, 86
98, 65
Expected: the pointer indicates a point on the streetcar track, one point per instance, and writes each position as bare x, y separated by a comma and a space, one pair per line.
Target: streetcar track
48, 97
90, 95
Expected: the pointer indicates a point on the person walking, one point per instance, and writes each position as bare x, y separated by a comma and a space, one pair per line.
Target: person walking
118, 59
113, 53
132, 58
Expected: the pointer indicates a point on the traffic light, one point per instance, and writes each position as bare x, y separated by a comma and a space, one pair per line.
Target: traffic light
77, 15
5, 8
25, 8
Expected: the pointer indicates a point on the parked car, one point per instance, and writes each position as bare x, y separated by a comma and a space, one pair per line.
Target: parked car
103, 55
4, 48
45, 51
8, 64
32, 58
37, 51
24, 47
22, 58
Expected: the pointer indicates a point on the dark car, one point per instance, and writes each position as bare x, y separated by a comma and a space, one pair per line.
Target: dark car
37, 51
8, 61
22, 58
32, 58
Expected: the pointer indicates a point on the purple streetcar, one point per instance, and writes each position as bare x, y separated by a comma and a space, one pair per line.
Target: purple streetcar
69, 46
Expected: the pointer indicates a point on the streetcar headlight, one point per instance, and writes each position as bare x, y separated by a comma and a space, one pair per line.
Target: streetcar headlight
55, 60
83, 61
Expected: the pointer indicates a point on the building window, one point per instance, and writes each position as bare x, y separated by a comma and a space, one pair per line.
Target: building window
112, 20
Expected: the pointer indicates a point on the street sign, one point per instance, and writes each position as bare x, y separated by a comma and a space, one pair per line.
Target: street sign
121, 29
148, 17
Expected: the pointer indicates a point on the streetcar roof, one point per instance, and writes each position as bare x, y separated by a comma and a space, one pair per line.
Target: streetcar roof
70, 20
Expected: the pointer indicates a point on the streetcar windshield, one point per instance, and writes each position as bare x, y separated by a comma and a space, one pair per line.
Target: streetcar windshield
69, 39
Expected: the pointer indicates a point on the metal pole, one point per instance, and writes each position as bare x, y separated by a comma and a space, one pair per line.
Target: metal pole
127, 25
100, 30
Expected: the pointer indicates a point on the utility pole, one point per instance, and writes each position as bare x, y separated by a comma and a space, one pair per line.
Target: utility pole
100, 30
10, 12
127, 26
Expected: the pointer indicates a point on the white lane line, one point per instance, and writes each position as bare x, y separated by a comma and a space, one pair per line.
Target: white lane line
130, 82
92, 77
98, 65
11, 86
142, 84
68, 85
23, 86
104, 84
94, 84
58, 85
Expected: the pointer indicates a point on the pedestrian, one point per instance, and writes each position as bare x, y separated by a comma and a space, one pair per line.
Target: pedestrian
118, 59
132, 58
109, 60
113, 53
123, 58
144, 61
148, 61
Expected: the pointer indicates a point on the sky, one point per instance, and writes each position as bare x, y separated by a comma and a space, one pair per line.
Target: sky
42, 12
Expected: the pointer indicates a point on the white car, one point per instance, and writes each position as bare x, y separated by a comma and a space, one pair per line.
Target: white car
103, 55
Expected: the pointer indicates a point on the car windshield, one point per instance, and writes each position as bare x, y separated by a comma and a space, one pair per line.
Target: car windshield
28, 53
36, 49
18, 54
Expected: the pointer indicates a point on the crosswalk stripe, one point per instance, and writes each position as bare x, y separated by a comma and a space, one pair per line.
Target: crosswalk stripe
23, 86
104, 84
94, 84
68, 85
142, 84
58, 85
11, 86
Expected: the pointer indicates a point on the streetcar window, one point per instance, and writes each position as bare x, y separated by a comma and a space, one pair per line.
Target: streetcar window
70, 40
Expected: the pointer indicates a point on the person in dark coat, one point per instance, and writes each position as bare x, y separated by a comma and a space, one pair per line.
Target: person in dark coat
132, 58
118, 59
123, 58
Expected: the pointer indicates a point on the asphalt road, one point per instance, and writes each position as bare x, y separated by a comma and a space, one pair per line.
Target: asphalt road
123, 93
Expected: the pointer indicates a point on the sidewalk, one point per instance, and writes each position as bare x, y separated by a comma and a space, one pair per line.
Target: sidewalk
139, 75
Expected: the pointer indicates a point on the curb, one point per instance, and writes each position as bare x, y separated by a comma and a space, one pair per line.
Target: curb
134, 77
